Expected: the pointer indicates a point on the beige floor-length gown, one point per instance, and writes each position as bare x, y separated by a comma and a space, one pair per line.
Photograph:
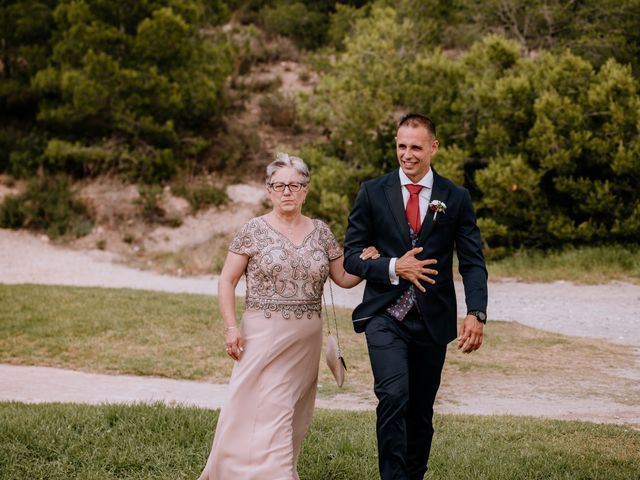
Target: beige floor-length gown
272, 388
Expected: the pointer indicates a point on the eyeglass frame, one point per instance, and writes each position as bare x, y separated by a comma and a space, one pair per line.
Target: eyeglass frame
287, 185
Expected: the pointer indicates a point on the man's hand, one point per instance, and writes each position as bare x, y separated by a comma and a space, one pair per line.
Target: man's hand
471, 333
414, 270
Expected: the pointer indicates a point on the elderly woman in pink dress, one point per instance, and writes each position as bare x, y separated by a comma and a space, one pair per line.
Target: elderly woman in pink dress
286, 258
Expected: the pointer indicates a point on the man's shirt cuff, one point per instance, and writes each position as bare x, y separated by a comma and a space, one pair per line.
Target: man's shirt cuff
393, 278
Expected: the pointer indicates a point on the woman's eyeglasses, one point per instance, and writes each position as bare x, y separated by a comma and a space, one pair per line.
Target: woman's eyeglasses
293, 187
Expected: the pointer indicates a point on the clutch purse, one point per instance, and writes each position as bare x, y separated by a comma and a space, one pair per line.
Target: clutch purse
333, 353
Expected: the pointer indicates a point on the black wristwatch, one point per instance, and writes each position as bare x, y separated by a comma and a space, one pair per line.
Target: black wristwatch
481, 316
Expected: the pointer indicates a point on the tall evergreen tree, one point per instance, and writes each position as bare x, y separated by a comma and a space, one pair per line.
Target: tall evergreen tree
127, 86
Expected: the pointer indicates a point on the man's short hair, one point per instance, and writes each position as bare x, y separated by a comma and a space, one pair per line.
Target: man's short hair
418, 120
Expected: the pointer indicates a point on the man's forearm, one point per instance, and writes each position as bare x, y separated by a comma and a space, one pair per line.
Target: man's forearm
373, 270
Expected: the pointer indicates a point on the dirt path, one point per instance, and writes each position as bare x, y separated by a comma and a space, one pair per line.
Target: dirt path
608, 312
46, 384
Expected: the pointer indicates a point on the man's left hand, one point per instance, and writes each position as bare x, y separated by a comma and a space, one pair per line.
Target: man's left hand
471, 333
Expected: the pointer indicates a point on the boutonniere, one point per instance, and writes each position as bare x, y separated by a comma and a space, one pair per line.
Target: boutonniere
437, 206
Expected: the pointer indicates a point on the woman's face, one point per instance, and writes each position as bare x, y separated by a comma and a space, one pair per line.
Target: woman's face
287, 201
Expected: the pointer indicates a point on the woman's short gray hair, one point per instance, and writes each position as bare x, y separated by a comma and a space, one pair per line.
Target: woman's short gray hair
285, 160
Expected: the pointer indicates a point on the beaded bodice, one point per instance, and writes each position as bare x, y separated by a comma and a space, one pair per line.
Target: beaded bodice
281, 276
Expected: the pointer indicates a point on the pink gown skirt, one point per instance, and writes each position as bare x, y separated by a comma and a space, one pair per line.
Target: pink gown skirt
270, 402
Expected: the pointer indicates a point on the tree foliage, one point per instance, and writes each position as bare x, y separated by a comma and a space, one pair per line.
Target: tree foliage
548, 144
127, 87
49, 205
536, 102
594, 29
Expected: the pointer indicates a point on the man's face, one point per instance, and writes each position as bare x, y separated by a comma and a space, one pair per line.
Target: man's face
415, 147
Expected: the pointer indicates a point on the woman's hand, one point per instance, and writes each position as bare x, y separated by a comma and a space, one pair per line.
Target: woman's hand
370, 252
235, 342
344, 279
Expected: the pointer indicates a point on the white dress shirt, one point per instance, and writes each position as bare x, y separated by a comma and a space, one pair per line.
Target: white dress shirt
423, 199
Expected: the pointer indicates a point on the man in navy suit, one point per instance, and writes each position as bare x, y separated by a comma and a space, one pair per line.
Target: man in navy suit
415, 218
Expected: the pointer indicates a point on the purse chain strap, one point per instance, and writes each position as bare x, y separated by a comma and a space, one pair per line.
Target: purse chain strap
335, 317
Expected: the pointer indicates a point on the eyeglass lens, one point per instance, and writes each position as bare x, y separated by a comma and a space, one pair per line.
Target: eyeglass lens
294, 187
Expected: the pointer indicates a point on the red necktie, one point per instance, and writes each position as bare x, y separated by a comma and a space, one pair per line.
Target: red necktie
413, 207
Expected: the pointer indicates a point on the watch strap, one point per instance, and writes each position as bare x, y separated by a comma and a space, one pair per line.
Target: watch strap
480, 315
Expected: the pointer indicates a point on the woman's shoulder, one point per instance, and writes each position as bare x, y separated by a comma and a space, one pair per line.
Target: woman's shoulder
323, 230
250, 227
244, 241
327, 239
320, 225
252, 223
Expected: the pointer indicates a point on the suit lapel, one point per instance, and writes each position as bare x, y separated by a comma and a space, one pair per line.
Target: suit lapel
439, 193
393, 191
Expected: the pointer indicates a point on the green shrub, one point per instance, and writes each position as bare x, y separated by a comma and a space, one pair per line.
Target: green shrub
334, 186
265, 85
9, 137
307, 27
108, 89
253, 46
144, 163
342, 23
235, 148
27, 156
278, 110
48, 205
200, 195
150, 165
304, 76
148, 200
12, 212
548, 145
79, 160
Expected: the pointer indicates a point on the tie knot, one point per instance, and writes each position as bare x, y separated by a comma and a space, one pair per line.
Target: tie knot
413, 189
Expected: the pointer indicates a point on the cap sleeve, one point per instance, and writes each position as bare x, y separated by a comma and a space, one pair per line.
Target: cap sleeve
244, 243
329, 242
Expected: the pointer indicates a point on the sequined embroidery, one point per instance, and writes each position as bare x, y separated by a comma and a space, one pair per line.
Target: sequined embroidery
281, 276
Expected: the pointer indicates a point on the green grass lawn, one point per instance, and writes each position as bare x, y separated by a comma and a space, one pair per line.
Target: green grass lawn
63, 442
180, 336
134, 332
113, 330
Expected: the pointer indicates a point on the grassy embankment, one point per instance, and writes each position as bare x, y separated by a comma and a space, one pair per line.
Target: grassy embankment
590, 265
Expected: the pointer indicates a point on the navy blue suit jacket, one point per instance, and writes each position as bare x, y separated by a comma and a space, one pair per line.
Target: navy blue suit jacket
378, 218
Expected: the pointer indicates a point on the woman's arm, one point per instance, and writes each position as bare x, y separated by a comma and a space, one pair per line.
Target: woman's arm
234, 267
340, 276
